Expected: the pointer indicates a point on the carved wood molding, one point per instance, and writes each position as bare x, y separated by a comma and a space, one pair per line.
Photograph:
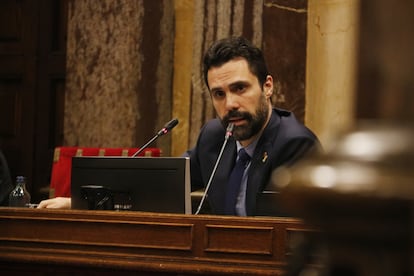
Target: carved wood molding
136, 241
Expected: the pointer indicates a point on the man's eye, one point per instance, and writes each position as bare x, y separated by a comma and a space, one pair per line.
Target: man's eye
218, 94
240, 88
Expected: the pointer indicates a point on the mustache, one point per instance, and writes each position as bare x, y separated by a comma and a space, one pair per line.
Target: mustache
235, 113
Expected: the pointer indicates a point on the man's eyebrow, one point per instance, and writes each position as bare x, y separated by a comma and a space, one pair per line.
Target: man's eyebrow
214, 89
238, 83
231, 85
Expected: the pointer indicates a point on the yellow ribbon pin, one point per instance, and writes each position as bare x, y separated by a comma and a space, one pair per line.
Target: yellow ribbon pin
264, 157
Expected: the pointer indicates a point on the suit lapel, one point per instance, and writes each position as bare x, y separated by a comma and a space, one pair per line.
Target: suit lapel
260, 165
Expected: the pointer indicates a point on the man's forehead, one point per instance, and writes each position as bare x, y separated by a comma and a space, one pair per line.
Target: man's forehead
235, 62
229, 73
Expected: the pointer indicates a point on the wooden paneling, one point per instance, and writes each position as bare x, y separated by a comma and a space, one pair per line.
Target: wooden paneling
56, 241
246, 240
32, 76
51, 73
9, 94
17, 84
11, 31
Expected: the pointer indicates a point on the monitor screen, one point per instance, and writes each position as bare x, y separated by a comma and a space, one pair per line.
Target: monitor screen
150, 184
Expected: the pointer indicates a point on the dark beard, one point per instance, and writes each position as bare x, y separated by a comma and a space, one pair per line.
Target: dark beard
255, 122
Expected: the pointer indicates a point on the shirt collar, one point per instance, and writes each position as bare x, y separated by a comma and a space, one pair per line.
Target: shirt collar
250, 148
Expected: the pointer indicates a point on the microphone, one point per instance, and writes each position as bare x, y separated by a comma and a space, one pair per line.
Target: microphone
167, 128
229, 132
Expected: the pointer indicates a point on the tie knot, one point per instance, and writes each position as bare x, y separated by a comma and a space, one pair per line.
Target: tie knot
243, 156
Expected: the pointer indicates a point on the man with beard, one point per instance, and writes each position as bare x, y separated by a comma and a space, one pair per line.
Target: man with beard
241, 88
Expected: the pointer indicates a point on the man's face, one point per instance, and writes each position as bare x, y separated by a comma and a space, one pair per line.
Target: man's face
238, 98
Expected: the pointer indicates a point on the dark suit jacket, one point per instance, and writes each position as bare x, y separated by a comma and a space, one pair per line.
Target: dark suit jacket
284, 140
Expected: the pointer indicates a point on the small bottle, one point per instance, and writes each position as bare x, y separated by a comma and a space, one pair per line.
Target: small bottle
19, 196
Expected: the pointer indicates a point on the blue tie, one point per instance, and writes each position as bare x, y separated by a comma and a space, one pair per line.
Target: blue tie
235, 179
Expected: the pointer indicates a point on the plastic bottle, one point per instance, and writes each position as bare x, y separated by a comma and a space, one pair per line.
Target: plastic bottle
19, 196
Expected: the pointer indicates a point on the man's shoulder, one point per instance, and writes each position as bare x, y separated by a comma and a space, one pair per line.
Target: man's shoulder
290, 126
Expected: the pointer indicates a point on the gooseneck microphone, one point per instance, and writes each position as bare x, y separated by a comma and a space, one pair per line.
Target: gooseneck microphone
229, 132
167, 128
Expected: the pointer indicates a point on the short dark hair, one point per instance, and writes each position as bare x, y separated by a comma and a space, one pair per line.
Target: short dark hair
226, 49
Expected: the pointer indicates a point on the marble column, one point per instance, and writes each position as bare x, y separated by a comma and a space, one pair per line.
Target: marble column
331, 63
103, 70
119, 68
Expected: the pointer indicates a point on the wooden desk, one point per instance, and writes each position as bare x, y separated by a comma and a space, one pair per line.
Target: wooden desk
94, 242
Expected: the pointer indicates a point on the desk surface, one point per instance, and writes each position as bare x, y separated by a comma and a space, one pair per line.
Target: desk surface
109, 241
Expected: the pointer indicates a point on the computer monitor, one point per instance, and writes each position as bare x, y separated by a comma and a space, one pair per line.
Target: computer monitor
150, 184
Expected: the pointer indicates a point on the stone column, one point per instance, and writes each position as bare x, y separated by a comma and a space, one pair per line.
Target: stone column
103, 70
119, 70
331, 63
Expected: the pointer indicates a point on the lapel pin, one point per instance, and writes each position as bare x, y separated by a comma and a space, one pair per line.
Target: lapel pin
264, 157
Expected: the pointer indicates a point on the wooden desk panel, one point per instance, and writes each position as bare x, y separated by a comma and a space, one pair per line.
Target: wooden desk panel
56, 241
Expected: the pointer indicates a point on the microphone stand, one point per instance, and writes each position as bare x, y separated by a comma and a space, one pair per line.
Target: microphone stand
229, 131
167, 128
145, 146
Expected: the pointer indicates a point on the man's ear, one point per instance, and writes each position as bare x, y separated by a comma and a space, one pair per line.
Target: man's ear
268, 87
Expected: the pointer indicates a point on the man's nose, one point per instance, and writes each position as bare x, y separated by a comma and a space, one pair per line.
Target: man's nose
232, 101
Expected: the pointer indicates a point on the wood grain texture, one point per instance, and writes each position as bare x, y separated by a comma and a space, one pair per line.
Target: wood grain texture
57, 241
